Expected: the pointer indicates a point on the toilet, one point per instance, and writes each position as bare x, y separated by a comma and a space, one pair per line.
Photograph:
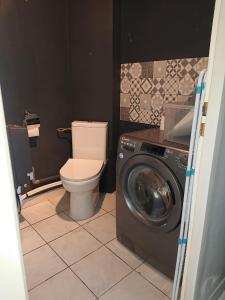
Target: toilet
81, 174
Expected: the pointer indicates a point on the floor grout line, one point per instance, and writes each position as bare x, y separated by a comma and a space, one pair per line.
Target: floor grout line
152, 283
117, 283
60, 236
102, 244
35, 249
120, 257
74, 263
52, 250
94, 218
83, 282
29, 290
97, 238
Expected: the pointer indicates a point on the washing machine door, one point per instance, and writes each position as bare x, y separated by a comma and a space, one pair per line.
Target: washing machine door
152, 192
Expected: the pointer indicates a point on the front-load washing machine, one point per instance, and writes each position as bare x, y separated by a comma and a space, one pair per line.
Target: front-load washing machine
150, 187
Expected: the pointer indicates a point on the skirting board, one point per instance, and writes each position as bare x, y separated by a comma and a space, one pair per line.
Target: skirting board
25, 197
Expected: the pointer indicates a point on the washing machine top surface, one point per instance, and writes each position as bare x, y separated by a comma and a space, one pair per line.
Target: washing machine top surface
155, 136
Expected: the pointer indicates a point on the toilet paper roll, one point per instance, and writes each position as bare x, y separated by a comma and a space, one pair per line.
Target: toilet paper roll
33, 130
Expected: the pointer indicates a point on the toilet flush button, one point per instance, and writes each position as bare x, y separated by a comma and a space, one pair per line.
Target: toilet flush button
121, 155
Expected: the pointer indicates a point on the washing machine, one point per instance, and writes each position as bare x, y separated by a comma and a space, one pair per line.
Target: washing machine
151, 176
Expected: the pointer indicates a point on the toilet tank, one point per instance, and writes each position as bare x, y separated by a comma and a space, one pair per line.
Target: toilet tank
89, 140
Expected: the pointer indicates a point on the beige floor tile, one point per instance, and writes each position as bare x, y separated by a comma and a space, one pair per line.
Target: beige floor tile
30, 239
60, 198
98, 214
113, 212
63, 286
38, 212
101, 270
23, 222
133, 287
41, 264
30, 201
55, 226
75, 245
158, 279
125, 254
103, 228
109, 202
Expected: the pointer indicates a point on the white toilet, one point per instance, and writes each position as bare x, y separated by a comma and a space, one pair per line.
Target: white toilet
80, 175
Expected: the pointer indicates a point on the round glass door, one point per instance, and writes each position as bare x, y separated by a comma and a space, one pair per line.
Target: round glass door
152, 192
149, 194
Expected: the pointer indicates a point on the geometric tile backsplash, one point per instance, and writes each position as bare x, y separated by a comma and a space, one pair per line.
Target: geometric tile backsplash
145, 87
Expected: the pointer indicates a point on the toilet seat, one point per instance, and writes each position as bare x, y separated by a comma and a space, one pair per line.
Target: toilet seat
81, 169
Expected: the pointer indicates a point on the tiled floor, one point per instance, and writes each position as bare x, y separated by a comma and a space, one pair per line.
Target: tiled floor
82, 260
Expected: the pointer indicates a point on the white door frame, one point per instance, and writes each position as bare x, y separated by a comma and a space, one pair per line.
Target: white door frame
12, 275
208, 150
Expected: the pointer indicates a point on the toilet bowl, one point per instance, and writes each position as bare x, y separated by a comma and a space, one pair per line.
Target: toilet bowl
81, 178
81, 174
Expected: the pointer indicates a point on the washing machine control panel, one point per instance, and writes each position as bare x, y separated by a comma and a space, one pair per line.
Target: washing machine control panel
127, 144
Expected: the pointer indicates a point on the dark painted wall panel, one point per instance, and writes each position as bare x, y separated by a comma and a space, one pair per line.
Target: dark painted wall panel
162, 29
57, 58
93, 71
33, 74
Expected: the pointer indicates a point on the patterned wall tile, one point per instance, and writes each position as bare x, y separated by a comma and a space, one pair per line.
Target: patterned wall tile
135, 86
124, 113
173, 68
170, 99
188, 67
159, 69
155, 116
145, 101
125, 85
158, 86
147, 69
187, 85
134, 99
157, 102
124, 100
171, 85
124, 71
135, 70
147, 85
201, 64
134, 111
144, 116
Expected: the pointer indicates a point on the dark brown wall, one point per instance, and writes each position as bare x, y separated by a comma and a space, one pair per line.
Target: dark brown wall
94, 71
162, 29
33, 73
60, 60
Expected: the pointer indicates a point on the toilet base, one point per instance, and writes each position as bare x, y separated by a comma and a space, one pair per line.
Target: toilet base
83, 205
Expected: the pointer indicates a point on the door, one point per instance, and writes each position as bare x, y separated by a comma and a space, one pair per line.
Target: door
204, 273
13, 284
152, 192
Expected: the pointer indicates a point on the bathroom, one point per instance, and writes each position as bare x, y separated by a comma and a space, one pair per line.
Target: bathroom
113, 64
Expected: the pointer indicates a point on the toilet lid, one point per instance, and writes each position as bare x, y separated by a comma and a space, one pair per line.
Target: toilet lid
80, 169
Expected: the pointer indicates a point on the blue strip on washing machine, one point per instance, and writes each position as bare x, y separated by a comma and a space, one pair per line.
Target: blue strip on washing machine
190, 173
199, 88
182, 241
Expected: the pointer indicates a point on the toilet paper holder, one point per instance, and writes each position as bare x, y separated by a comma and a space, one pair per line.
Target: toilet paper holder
32, 122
